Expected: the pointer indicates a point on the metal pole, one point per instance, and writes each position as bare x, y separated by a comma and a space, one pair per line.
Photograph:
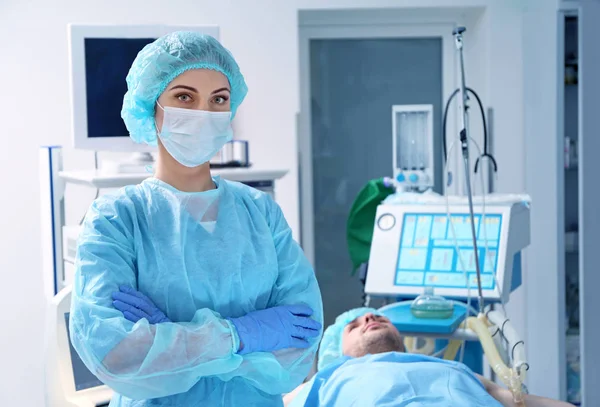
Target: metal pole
464, 141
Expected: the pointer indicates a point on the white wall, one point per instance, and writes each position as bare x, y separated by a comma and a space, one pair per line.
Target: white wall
263, 36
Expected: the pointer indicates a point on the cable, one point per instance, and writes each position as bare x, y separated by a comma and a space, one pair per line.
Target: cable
486, 153
485, 238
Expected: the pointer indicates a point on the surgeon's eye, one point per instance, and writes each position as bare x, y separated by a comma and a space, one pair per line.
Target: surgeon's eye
184, 97
221, 99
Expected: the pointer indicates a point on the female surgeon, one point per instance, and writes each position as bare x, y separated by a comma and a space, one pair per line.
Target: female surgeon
189, 289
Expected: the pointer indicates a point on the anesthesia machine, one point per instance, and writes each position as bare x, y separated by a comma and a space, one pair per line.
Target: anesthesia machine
450, 262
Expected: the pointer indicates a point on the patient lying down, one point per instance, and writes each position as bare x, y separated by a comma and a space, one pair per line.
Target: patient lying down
375, 371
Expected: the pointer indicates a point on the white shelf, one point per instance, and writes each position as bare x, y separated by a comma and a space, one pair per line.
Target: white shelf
99, 179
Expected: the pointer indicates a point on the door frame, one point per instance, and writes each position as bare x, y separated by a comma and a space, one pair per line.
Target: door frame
588, 14
347, 29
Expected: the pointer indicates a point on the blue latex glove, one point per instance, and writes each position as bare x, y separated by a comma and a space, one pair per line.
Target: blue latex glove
135, 306
286, 326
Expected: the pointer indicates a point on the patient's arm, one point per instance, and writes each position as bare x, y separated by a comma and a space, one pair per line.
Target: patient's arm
504, 396
288, 398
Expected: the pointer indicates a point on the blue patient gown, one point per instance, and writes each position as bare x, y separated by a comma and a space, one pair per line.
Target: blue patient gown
395, 379
200, 257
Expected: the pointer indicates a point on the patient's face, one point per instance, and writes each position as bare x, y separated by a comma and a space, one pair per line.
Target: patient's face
370, 334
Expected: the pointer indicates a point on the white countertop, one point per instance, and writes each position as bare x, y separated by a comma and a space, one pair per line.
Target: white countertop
100, 179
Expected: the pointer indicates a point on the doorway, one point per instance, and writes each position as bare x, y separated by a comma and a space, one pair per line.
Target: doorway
351, 76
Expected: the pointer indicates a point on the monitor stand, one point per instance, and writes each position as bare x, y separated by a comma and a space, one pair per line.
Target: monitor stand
137, 163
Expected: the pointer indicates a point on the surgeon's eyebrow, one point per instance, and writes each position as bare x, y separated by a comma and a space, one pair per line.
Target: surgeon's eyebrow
220, 90
184, 87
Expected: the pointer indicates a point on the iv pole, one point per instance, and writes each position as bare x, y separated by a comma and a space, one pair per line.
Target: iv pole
464, 142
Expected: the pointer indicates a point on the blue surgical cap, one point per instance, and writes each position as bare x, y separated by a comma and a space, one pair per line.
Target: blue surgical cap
331, 344
159, 63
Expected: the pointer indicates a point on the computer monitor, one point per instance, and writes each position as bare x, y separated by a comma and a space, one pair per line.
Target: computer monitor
101, 56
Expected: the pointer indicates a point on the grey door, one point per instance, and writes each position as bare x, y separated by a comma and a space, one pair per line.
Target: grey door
353, 85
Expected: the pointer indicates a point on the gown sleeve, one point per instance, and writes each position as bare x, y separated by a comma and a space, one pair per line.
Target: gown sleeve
139, 361
281, 371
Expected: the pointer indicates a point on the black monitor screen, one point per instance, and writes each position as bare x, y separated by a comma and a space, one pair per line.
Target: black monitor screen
84, 379
107, 62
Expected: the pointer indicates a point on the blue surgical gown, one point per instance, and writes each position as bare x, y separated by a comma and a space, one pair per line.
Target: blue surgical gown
200, 257
395, 379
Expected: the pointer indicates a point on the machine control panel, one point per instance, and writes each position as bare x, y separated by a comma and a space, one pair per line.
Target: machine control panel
437, 250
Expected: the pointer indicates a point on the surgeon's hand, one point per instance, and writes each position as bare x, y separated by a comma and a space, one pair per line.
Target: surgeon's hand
135, 306
286, 326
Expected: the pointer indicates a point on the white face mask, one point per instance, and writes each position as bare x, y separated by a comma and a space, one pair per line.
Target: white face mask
193, 137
